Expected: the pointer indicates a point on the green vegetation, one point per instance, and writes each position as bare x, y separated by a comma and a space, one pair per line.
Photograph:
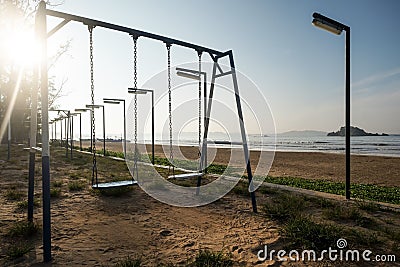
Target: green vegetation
57, 184
18, 250
362, 191
129, 262
207, 258
23, 229
13, 194
55, 192
23, 205
284, 207
302, 232
76, 185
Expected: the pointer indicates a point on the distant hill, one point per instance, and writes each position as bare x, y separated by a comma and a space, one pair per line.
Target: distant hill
305, 133
354, 131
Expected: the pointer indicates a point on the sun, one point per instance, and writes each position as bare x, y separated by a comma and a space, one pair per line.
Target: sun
20, 48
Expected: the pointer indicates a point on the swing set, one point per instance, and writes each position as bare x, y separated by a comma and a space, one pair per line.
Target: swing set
217, 72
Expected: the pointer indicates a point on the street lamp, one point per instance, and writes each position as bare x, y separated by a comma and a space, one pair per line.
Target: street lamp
80, 110
104, 125
336, 27
80, 128
67, 124
143, 92
196, 75
118, 101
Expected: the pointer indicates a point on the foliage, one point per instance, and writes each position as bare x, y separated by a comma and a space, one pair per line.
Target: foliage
207, 258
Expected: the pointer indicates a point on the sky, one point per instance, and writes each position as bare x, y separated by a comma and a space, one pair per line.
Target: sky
297, 68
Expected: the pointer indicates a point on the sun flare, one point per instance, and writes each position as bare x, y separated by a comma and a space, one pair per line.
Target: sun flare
20, 48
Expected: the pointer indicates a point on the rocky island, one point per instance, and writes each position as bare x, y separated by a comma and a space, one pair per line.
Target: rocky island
354, 131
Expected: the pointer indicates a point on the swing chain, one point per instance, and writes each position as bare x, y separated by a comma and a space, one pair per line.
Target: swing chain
135, 97
94, 171
171, 155
199, 54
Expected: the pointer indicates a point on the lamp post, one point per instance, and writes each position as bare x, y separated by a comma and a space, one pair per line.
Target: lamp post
80, 110
143, 92
336, 27
80, 128
67, 125
118, 101
196, 75
104, 125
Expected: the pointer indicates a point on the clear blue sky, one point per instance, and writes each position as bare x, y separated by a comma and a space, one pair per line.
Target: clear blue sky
298, 68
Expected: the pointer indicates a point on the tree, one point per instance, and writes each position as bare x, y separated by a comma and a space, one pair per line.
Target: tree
18, 58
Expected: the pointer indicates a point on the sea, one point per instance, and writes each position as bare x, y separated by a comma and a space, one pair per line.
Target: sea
360, 145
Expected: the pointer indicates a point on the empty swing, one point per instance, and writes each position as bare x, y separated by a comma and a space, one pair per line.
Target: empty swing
95, 182
200, 172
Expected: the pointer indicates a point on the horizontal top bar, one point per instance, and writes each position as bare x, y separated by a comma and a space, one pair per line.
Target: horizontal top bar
135, 33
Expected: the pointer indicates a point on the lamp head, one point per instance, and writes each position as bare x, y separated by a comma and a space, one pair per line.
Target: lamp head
137, 91
328, 24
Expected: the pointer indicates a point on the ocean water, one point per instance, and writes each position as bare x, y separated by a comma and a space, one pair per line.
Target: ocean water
361, 145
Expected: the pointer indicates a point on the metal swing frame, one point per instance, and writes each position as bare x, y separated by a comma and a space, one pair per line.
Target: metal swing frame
43, 35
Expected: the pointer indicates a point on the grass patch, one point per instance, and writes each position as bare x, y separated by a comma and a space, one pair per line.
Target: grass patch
207, 258
302, 232
23, 229
368, 206
129, 262
55, 192
18, 250
285, 207
13, 194
23, 205
57, 184
363, 191
76, 186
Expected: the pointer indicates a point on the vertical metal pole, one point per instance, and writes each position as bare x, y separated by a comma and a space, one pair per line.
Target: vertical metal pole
67, 124
152, 127
55, 130
348, 124
207, 119
80, 131
104, 131
32, 143
91, 127
124, 129
72, 134
41, 19
204, 164
9, 139
243, 132
61, 122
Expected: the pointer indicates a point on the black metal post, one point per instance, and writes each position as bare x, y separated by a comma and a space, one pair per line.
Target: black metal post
80, 131
104, 131
42, 34
348, 118
61, 132
72, 134
243, 132
9, 139
67, 125
152, 127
